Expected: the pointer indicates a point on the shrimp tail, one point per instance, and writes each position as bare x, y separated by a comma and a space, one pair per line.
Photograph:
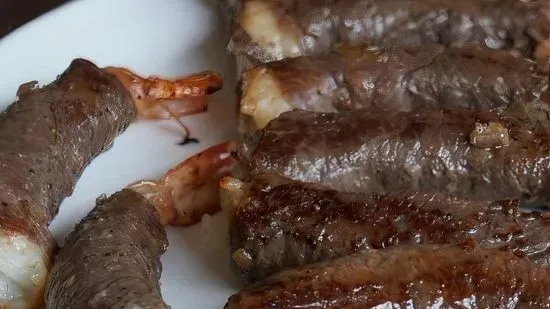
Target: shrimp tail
190, 189
159, 98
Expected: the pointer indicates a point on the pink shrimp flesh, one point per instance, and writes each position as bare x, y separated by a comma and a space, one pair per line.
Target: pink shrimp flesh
160, 98
190, 189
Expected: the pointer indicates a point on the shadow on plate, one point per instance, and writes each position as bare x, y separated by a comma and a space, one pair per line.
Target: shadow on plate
206, 245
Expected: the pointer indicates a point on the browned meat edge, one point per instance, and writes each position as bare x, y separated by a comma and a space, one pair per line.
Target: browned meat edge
280, 223
48, 136
111, 259
403, 277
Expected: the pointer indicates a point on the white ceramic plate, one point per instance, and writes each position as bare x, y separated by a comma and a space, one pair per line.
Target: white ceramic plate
163, 37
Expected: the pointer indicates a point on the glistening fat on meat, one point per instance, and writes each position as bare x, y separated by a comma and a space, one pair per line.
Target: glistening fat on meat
276, 223
429, 152
424, 276
112, 258
397, 78
265, 31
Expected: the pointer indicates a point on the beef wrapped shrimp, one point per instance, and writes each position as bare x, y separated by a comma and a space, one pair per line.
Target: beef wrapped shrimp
112, 258
264, 31
423, 276
398, 78
47, 137
463, 153
276, 223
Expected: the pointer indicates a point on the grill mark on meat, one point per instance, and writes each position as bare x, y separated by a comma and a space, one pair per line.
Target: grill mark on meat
419, 277
428, 151
112, 258
281, 224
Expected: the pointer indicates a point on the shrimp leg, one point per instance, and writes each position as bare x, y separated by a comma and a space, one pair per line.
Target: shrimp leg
160, 98
191, 188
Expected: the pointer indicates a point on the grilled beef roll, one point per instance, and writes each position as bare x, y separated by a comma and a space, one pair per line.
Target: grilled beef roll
265, 31
47, 137
397, 78
470, 154
423, 276
277, 223
112, 258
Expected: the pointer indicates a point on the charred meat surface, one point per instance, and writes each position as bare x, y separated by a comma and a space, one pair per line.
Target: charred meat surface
47, 137
399, 78
112, 258
428, 152
272, 30
279, 223
406, 277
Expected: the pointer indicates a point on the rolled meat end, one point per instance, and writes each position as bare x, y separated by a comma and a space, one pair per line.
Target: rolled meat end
112, 258
47, 137
265, 31
277, 223
398, 78
462, 153
424, 276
